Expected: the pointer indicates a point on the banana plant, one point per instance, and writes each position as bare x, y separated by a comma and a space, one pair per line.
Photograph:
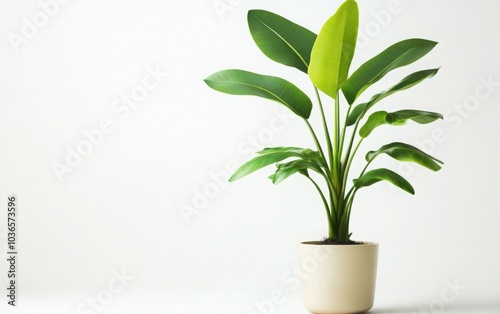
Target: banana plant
326, 59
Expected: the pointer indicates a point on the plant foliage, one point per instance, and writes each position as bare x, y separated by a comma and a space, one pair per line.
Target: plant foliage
326, 58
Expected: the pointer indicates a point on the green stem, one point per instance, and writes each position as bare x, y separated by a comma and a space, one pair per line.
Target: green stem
351, 142
315, 138
344, 130
349, 163
348, 214
334, 174
333, 196
364, 169
336, 140
325, 127
353, 189
328, 179
346, 209
331, 228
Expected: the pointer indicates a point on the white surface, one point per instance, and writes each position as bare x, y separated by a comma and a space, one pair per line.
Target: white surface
119, 208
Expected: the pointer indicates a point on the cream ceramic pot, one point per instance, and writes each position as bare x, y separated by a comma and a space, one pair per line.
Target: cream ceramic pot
338, 278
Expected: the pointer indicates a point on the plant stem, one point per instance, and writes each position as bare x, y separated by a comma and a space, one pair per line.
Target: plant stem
351, 142
315, 138
349, 162
364, 169
329, 181
335, 165
348, 214
331, 228
344, 130
333, 196
325, 127
344, 218
336, 140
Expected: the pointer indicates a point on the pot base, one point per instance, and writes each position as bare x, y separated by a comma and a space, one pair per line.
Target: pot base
338, 279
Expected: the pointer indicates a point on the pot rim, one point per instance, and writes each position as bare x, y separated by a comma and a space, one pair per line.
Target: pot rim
317, 243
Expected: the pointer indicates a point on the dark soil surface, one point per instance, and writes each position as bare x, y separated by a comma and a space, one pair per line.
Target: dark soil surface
328, 241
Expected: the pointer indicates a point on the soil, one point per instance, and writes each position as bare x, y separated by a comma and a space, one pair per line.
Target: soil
328, 241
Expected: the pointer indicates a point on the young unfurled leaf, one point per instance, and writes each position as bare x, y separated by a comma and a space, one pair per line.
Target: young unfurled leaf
334, 48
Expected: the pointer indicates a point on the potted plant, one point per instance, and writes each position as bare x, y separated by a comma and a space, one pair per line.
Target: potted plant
341, 271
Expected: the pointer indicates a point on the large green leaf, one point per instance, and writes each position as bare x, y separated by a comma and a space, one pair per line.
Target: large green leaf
377, 175
406, 153
411, 80
334, 48
270, 156
379, 118
239, 82
400, 54
280, 39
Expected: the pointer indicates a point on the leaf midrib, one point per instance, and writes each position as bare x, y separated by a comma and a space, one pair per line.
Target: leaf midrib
283, 39
267, 91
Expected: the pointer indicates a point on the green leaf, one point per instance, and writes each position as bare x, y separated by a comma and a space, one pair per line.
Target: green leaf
270, 156
304, 153
406, 83
422, 117
377, 175
376, 119
239, 82
379, 118
356, 113
334, 48
400, 54
281, 174
411, 80
281, 149
280, 39
297, 166
406, 153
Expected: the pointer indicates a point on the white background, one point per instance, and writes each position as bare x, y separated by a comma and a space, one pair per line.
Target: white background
119, 209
